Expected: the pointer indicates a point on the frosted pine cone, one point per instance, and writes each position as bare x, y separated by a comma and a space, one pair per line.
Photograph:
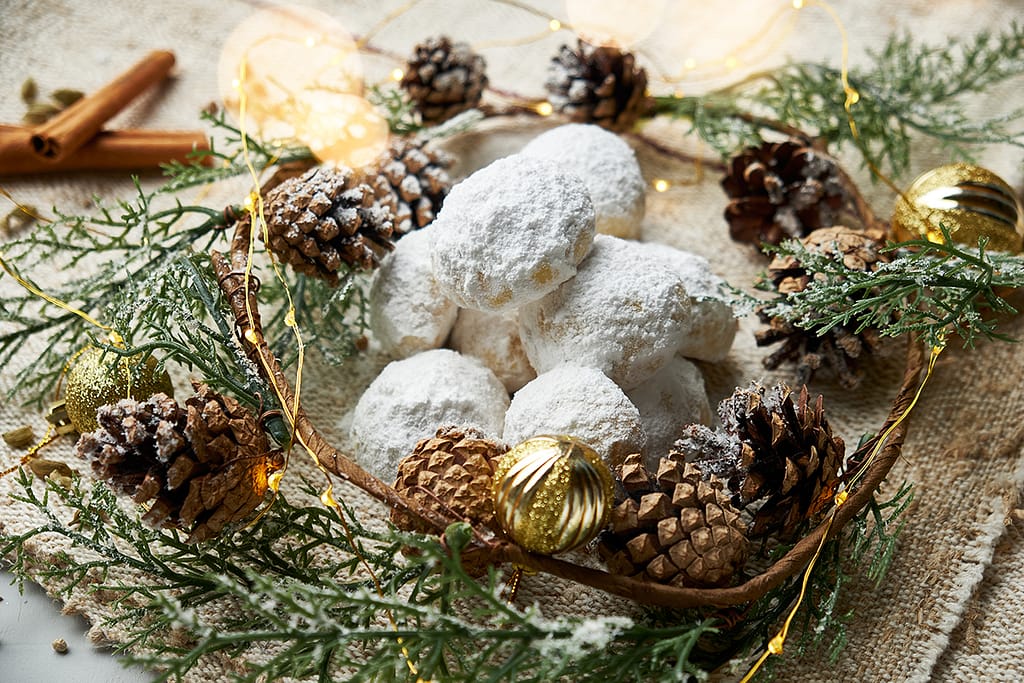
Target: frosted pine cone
200, 467
781, 190
842, 346
412, 181
444, 79
770, 448
601, 85
675, 528
325, 219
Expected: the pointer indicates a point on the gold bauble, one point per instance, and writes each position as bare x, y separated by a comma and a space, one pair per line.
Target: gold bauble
969, 201
96, 379
552, 494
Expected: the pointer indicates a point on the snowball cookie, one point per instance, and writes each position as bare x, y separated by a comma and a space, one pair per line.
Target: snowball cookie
608, 168
411, 398
712, 325
409, 311
580, 402
668, 402
620, 314
493, 339
510, 233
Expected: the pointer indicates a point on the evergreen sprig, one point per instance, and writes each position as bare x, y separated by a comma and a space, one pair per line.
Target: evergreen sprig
293, 586
908, 90
933, 290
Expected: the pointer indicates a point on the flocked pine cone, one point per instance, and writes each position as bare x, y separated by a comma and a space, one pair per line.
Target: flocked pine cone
412, 180
781, 190
676, 528
203, 466
327, 218
452, 469
773, 449
444, 78
842, 346
601, 85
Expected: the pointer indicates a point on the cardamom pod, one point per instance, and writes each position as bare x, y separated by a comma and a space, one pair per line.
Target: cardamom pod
19, 438
66, 96
40, 112
29, 91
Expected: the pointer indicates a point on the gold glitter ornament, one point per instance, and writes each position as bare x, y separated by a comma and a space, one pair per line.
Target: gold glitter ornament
969, 201
552, 494
96, 379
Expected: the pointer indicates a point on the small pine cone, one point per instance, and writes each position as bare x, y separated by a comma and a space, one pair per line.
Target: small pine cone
676, 528
203, 466
450, 472
412, 181
842, 346
770, 448
781, 190
601, 85
444, 79
327, 218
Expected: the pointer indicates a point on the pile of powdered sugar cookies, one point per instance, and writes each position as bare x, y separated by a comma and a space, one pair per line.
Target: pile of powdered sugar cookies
532, 276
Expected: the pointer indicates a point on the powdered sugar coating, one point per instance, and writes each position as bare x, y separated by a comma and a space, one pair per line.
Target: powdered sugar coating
493, 339
607, 166
510, 233
619, 314
667, 402
580, 402
409, 311
411, 398
712, 324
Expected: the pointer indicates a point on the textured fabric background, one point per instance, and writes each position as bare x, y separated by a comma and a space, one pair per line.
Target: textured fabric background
952, 607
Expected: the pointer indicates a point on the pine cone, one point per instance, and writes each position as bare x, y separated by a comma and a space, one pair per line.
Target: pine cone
599, 85
452, 469
781, 190
412, 181
841, 347
677, 528
772, 449
325, 218
444, 79
204, 466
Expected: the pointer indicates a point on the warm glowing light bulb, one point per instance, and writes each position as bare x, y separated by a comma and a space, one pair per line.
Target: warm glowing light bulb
731, 62
310, 41
555, 25
798, 4
661, 185
397, 74
678, 94
545, 109
690, 63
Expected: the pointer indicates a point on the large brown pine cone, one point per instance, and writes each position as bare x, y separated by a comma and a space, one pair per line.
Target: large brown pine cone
781, 190
601, 85
203, 466
325, 219
412, 180
842, 346
444, 78
773, 449
451, 472
676, 527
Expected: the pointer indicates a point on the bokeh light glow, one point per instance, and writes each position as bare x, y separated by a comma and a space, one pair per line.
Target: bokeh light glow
296, 73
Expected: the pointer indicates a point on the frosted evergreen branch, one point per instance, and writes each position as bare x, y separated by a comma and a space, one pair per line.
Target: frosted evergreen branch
909, 90
932, 290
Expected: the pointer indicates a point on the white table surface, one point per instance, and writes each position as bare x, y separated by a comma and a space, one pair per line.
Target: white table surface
30, 622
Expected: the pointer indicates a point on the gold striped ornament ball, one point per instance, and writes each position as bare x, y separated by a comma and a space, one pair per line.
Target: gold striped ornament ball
969, 201
552, 494
96, 379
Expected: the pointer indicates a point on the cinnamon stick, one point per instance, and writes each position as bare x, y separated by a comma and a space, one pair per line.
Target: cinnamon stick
109, 150
58, 138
